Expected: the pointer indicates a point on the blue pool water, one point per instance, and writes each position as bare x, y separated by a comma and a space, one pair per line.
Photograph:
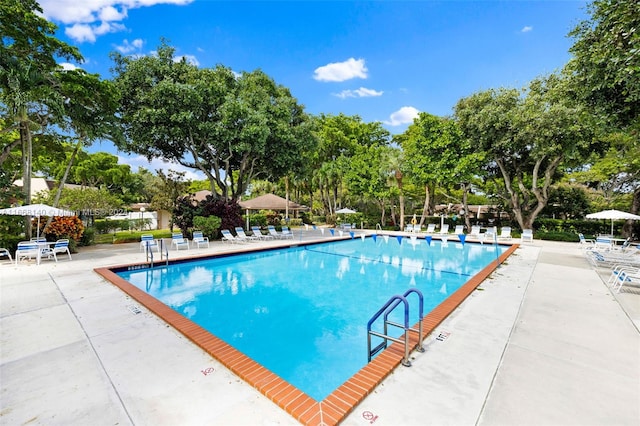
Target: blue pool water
302, 312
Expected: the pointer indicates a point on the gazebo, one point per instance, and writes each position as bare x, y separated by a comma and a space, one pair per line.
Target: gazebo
270, 202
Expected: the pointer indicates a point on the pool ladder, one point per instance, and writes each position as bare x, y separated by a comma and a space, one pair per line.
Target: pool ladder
164, 252
386, 310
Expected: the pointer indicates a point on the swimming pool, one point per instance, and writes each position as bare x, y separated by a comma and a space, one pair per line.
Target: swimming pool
301, 312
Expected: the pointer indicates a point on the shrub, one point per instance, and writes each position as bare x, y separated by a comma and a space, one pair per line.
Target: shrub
70, 227
208, 225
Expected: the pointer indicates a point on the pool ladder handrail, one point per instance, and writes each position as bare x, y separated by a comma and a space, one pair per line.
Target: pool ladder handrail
164, 250
388, 307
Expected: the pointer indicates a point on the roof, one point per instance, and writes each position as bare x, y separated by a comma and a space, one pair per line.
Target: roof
270, 202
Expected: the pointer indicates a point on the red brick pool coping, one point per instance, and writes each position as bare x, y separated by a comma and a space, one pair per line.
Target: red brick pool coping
302, 407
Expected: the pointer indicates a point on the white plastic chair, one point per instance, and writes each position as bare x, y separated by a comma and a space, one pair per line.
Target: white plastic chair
147, 240
61, 246
199, 239
27, 250
527, 235
229, 237
258, 233
5, 252
505, 233
177, 241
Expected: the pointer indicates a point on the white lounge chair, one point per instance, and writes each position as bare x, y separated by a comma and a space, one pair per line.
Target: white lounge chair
258, 233
585, 243
444, 229
244, 237
274, 233
199, 239
626, 276
475, 231
459, 230
5, 252
286, 232
229, 237
505, 233
431, 228
526, 236
27, 250
177, 241
61, 246
147, 241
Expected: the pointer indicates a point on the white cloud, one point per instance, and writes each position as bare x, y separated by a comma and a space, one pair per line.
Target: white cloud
85, 20
341, 71
362, 92
404, 115
191, 59
526, 29
129, 47
66, 66
136, 161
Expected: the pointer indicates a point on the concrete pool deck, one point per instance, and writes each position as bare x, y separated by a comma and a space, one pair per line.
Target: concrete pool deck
542, 342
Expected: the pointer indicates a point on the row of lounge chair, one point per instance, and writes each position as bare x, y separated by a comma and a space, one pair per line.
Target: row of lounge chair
178, 241
476, 231
623, 260
256, 235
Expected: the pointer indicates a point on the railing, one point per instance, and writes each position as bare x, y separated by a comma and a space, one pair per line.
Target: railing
387, 309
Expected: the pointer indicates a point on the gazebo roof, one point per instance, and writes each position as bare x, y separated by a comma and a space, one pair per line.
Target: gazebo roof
270, 202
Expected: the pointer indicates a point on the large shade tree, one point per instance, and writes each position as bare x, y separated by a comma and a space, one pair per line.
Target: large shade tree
438, 155
527, 137
233, 128
606, 71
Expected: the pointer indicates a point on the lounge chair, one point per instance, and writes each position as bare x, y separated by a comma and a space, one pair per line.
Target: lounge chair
258, 233
444, 229
491, 233
586, 244
475, 231
177, 241
603, 244
608, 259
626, 276
229, 237
459, 230
526, 236
505, 233
5, 252
274, 233
61, 246
408, 228
27, 250
199, 239
431, 228
286, 232
244, 237
147, 240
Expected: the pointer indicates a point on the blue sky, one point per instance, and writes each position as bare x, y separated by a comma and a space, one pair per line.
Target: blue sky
381, 60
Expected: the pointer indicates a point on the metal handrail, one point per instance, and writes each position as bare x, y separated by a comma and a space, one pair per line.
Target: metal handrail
388, 307
149, 253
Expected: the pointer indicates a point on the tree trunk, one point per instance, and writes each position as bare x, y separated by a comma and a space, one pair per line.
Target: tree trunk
64, 179
425, 207
27, 148
465, 205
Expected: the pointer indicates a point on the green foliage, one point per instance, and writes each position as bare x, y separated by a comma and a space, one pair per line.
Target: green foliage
258, 219
606, 63
104, 226
234, 127
208, 225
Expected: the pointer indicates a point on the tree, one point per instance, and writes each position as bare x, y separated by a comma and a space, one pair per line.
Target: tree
606, 61
28, 55
233, 128
605, 69
526, 139
437, 154
170, 187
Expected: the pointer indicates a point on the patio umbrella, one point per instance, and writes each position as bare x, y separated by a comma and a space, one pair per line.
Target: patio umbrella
345, 211
613, 215
36, 210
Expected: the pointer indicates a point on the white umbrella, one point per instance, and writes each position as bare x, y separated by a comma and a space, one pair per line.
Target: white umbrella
345, 211
36, 210
613, 215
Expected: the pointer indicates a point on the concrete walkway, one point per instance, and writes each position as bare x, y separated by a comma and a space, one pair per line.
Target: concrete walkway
542, 342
